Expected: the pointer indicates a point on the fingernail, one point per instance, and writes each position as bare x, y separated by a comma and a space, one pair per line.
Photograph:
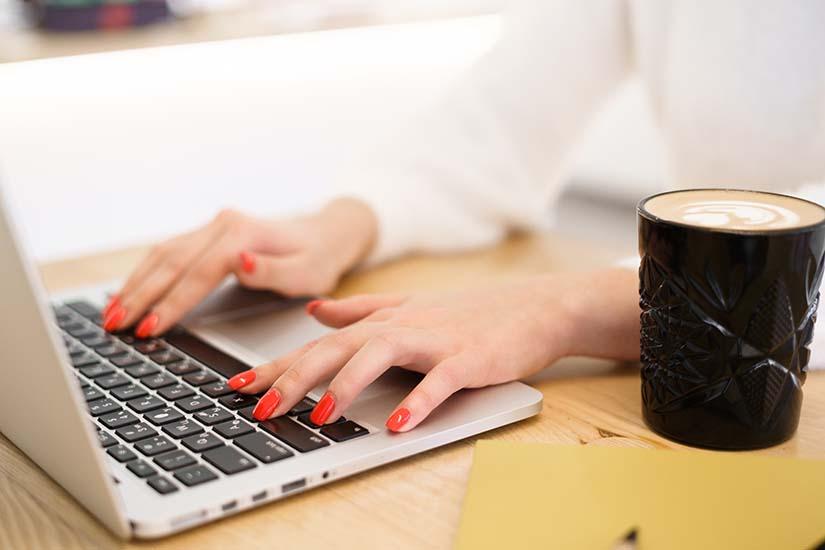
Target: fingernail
397, 419
147, 326
267, 405
247, 262
240, 380
113, 301
114, 318
313, 305
320, 414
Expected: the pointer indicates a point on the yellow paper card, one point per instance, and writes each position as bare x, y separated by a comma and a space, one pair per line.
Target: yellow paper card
528, 495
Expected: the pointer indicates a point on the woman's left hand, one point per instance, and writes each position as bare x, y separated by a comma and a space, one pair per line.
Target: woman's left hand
459, 340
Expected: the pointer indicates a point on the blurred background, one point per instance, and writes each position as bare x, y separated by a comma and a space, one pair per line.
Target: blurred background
125, 122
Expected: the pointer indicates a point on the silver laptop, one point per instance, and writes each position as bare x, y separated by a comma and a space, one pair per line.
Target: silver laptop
146, 435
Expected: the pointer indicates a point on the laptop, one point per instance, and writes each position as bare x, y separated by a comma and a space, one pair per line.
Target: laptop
147, 436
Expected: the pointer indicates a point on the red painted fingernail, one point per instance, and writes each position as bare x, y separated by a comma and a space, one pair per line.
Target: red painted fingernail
114, 318
397, 419
147, 326
323, 409
267, 405
113, 301
247, 262
313, 305
243, 379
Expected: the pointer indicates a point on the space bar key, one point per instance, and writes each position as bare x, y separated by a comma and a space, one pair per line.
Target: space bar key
293, 434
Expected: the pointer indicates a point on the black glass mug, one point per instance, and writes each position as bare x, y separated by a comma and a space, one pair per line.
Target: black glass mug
728, 306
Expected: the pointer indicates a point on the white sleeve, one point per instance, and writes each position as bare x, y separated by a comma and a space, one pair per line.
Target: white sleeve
488, 159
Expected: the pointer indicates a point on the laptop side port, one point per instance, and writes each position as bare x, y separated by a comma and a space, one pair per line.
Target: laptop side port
294, 485
259, 496
229, 506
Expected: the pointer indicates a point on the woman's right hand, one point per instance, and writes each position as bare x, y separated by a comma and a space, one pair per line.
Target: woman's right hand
300, 256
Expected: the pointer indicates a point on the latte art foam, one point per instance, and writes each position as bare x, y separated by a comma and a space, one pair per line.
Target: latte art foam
746, 213
733, 209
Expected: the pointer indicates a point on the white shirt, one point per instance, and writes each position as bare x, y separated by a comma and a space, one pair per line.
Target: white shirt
737, 87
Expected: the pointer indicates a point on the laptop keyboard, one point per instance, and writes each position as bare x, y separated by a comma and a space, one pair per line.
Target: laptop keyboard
162, 407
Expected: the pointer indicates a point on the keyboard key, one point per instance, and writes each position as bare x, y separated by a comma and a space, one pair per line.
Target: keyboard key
75, 328
293, 434
195, 475
238, 401
95, 340
126, 393
121, 453
75, 350
217, 389
105, 439
344, 431
263, 447
174, 460
112, 381
90, 394
93, 371
141, 469
162, 485
182, 429
136, 432
165, 357
233, 428
84, 308
127, 360
80, 382
194, 404
127, 339
200, 378
102, 406
304, 419
305, 405
145, 404
163, 416
182, 367
150, 346
228, 460
154, 446
247, 413
202, 442
159, 380
110, 350
118, 419
212, 416
139, 371
84, 360
178, 391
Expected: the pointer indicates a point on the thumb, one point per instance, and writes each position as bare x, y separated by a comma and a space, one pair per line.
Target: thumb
286, 274
340, 313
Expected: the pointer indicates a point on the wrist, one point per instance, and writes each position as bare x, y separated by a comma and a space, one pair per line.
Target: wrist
594, 314
349, 228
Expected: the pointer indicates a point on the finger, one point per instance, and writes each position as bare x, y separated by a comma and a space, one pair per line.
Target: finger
285, 274
403, 347
190, 288
441, 382
340, 313
158, 271
263, 376
324, 358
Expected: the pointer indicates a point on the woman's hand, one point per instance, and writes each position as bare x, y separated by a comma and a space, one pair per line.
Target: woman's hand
460, 340
301, 256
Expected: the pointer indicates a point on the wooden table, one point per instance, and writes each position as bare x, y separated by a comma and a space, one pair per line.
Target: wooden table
415, 503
